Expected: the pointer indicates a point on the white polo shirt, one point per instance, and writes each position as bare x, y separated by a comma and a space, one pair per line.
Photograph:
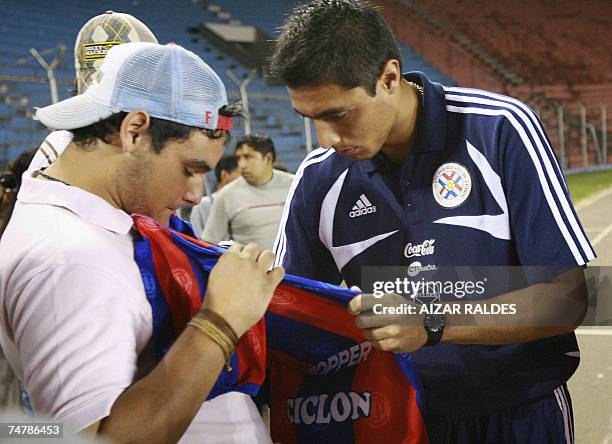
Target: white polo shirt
74, 317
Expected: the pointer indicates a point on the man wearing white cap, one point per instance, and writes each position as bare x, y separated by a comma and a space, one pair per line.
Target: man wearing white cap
75, 320
93, 42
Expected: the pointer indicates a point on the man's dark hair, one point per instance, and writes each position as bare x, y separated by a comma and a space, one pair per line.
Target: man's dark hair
228, 162
343, 42
20, 165
260, 143
161, 131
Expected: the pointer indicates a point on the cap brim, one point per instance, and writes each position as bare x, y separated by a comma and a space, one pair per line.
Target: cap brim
76, 112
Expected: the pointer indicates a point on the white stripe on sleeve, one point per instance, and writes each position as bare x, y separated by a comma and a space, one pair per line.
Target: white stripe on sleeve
280, 244
542, 175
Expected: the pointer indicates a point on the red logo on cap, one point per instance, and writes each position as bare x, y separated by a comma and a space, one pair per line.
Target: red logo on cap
223, 122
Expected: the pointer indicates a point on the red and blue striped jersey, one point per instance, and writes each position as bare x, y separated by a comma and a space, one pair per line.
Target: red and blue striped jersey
327, 382
174, 269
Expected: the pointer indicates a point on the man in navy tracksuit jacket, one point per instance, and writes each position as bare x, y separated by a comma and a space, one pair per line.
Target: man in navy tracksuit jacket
426, 176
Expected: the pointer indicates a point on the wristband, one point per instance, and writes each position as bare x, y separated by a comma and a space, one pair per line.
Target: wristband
210, 330
219, 322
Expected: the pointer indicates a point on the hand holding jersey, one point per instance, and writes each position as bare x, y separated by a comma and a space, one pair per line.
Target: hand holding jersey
388, 331
395, 324
227, 289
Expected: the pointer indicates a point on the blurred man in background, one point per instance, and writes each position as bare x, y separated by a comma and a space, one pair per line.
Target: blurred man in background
250, 208
10, 181
226, 171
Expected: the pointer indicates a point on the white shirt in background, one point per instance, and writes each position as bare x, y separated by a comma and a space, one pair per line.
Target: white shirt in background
245, 213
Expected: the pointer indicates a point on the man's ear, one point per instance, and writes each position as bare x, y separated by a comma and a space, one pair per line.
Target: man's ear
223, 177
268, 159
134, 130
391, 76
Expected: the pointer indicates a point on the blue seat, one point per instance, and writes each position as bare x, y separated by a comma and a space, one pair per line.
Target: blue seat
46, 23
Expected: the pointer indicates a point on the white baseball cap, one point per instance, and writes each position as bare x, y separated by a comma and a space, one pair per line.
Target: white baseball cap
166, 81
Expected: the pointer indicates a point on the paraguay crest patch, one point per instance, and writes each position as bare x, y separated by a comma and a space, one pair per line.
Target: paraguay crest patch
451, 185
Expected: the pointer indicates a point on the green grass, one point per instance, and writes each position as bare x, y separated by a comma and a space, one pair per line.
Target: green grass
584, 185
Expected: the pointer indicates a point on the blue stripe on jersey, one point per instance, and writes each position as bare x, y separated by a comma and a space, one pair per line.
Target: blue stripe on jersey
302, 341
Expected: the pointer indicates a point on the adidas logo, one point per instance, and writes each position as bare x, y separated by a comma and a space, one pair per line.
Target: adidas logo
362, 206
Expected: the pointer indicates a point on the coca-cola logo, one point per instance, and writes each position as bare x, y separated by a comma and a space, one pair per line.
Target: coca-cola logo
425, 249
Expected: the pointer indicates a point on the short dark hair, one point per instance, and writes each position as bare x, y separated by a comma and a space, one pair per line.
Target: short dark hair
11, 178
21, 164
161, 130
343, 42
228, 162
260, 143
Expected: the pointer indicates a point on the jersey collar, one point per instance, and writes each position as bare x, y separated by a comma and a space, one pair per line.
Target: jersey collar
431, 124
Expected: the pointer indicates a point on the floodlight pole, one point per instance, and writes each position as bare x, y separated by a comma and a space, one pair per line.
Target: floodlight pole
244, 97
50, 69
